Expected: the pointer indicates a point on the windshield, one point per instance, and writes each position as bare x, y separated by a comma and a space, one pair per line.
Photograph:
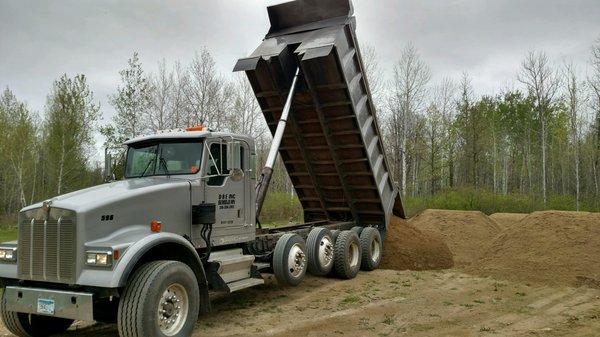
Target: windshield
167, 158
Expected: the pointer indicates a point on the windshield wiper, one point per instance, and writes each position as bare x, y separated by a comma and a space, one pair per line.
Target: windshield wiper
147, 167
163, 162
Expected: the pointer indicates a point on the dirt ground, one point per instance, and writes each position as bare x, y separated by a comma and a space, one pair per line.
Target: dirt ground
552, 248
450, 302
467, 233
507, 220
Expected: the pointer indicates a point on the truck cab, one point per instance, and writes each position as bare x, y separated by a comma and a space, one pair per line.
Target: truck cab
184, 194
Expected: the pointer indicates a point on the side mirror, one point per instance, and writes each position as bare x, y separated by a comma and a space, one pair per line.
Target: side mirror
108, 164
234, 158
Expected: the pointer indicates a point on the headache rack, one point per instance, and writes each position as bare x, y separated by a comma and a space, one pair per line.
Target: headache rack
332, 146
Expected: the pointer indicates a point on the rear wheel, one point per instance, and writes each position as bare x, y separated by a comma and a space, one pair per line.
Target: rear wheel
372, 247
334, 234
289, 260
29, 325
319, 251
347, 255
162, 299
357, 229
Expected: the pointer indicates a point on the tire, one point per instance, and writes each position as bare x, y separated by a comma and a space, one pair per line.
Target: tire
347, 255
289, 260
155, 283
30, 325
371, 245
357, 229
334, 234
319, 251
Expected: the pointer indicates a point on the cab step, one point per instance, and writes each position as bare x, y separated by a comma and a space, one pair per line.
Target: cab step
233, 265
231, 270
243, 284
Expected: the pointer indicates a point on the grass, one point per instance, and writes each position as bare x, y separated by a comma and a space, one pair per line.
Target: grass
8, 234
350, 299
280, 209
470, 199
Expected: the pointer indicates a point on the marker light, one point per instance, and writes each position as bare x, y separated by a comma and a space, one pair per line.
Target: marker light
156, 226
197, 128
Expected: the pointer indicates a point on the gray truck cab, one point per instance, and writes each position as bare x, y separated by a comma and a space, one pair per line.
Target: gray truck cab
77, 252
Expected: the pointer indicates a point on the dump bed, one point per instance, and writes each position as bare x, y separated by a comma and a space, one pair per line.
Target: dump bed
332, 146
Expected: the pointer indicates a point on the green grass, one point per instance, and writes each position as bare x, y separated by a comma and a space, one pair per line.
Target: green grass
8, 234
280, 209
470, 199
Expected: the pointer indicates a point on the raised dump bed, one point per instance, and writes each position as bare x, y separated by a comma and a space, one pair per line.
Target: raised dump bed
332, 147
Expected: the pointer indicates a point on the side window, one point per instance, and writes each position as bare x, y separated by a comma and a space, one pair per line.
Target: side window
217, 164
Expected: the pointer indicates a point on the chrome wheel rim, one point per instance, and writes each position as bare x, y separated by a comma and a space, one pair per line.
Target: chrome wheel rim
375, 250
296, 261
325, 251
353, 255
173, 309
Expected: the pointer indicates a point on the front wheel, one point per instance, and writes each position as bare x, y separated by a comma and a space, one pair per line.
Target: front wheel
162, 299
30, 325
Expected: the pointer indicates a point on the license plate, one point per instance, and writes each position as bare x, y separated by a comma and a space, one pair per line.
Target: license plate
45, 306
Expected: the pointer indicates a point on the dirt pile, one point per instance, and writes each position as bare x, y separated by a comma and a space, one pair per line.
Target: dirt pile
553, 248
507, 220
408, 248
467, 233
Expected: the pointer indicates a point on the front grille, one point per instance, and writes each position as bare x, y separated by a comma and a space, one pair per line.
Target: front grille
47, 250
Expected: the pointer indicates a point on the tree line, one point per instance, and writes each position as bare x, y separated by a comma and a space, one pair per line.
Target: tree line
540, 139
46, 156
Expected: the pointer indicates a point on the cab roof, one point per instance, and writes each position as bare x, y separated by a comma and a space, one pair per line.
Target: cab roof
183, 134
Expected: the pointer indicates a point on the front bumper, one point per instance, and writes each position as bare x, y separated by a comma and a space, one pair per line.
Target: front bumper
55, 303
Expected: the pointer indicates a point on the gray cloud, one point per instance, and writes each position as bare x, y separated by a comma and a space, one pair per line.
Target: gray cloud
40, 40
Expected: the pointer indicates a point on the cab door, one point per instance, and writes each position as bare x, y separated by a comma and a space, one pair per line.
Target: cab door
226, 187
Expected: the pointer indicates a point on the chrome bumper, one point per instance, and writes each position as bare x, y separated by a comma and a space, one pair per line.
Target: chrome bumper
56, 303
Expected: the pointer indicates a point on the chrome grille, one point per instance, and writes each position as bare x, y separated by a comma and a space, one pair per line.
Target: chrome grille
47, 250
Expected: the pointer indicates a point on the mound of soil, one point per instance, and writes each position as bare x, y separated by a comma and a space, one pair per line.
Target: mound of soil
507, 220
408, 248
467, 233
553, 248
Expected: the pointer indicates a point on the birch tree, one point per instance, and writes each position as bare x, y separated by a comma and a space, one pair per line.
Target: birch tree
575, 101
71, 119
594, 84
208, 95
542, 83
246, 115
411, 76
131, 103
159, 115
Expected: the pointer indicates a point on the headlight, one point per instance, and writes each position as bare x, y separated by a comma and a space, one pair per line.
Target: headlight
100, 259
8, 254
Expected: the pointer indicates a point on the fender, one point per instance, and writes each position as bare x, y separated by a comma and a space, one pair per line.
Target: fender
135, 253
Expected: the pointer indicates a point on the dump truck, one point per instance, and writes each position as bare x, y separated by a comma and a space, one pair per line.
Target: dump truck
148, 251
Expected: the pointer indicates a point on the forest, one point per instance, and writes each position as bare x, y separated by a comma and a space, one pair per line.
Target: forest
530, 147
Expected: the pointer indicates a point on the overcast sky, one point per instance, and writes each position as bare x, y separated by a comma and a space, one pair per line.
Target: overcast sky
40, 40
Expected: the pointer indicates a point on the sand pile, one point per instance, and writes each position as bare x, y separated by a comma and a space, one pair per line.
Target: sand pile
507, 220
408, 248
554, 248
466, 233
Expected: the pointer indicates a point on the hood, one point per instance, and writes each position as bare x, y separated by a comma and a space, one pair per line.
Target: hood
97, 196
